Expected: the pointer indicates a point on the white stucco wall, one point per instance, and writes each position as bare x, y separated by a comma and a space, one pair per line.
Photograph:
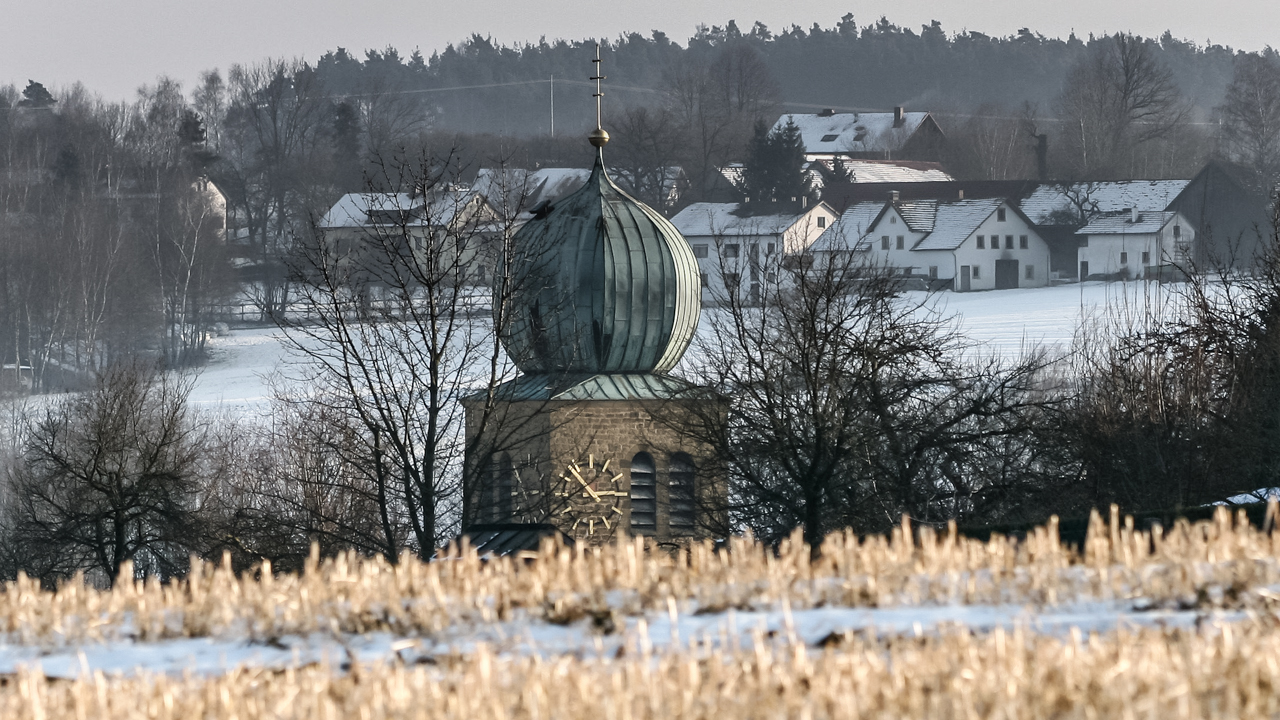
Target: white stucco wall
726, 254
1111, 254
1035, 256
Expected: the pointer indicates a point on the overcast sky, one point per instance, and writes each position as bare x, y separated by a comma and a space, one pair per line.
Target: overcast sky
113, 46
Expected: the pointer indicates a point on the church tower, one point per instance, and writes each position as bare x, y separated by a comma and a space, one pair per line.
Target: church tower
594, 437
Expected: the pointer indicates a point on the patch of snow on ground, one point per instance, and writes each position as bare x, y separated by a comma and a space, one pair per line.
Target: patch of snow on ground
654, 631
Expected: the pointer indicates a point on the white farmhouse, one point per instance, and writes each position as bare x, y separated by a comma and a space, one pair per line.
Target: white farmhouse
1134, 243
456, 224
980, 244
733, 247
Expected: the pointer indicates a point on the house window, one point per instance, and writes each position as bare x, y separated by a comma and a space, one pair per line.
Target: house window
731, 281
893, 219
901, 242
769, 249
1031, 272
982, 243
822, 222
933, 272
1022, 242
977, 271
731, 251
1146, 258
906, 271
1000, 215
884, 242
704, 279
681, 492
1124, 258
1008, 242
1177, 232
699, 251
644, 494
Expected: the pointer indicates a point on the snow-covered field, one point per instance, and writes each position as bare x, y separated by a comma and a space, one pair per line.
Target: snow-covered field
1004, 322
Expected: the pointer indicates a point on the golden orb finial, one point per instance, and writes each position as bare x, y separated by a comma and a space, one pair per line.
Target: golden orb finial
598, 137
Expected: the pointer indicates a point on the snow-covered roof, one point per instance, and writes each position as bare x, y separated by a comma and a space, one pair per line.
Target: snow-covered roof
514, 188
1122, 223
371, 209
854, 132
955, 221
708, 219
850, 229
948, 223
919, 215
354, 209
879, 171
1101, 197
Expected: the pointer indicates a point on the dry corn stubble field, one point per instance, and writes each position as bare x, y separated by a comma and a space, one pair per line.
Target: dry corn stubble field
1226, 664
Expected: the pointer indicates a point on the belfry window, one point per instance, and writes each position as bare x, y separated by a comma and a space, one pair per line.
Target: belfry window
644, 494
683, 475
502, 481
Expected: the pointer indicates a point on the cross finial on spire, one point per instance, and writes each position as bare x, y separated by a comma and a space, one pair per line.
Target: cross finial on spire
598, 137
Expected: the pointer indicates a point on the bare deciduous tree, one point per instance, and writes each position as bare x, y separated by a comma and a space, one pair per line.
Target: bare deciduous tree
1251, 118
1115, 101
850, 405
111, 475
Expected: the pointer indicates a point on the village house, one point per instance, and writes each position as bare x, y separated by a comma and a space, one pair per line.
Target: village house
973, 244
732, 246
897, 135
1135, 244
451, 220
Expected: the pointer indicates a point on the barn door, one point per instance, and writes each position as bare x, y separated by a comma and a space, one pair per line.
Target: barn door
1006, 274
964, 278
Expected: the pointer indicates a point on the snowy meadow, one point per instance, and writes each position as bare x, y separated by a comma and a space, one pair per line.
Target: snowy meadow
916, 624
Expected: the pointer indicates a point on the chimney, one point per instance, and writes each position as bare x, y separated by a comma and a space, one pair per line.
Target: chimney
826, 112
961, 193
1134, 217
893, 196
899, 116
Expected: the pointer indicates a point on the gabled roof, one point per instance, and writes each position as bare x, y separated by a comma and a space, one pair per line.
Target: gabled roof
920, 216
1121, 223
850, 229
514, 189
1101, 197
882, 171
948, 223
955, 221
373, 209
707, 219
854, 132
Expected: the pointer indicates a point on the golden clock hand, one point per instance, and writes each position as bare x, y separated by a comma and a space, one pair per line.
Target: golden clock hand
587, 487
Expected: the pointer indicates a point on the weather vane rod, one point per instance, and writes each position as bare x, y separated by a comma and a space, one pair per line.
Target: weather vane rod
598, 137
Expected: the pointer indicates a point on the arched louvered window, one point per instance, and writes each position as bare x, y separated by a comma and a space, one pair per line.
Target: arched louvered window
501, 489
644, 494
683, 476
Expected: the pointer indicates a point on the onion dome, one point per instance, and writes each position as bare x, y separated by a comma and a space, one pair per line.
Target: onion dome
600, 283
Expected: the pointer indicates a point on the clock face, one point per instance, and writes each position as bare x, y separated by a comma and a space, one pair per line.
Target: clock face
590, 489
